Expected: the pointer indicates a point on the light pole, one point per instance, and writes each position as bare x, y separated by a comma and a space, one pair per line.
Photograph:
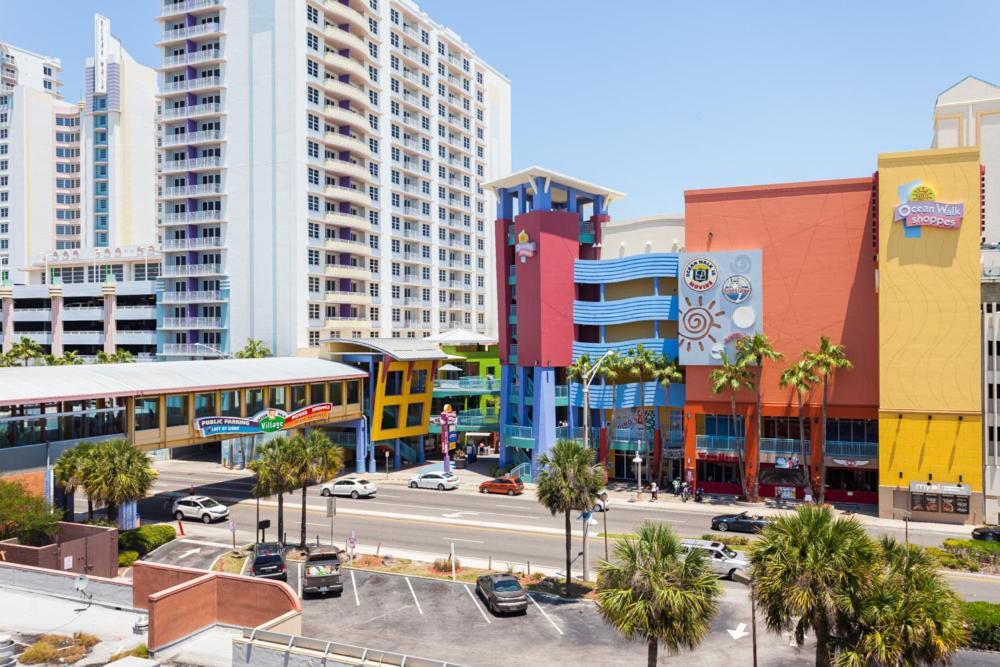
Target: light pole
638, 467
588, 378
217, 351
387, 464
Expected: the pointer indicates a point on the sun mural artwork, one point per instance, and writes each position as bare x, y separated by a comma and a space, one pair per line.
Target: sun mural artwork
699, 322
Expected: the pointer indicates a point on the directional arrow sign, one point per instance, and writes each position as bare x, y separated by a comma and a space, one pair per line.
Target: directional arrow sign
189, 552
740, 631
455, 515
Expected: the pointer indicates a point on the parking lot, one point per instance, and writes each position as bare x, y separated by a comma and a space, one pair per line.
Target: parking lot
447, 621
198, 554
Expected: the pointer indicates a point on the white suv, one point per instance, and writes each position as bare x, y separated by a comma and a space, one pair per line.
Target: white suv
199, 507
721, 560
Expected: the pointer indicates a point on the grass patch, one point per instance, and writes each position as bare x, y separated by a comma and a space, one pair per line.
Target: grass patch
59, 649
983, 622
952, 560
140, 651
407, 567
728, 540
616, 536
232, 562
578, 589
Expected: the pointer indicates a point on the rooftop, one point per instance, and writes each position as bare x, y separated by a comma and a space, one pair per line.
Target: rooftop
461, 337
527, 176
400, 349
49, 384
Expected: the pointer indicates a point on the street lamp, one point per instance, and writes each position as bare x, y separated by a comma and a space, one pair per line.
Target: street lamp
387, 464
588, 378
638, 467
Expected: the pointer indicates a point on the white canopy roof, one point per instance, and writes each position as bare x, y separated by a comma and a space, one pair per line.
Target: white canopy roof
49, 384
461, 337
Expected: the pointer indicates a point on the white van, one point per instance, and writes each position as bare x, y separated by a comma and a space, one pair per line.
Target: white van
721, 560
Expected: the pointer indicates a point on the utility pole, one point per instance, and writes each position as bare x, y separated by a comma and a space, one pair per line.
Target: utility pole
753, 618
587, 380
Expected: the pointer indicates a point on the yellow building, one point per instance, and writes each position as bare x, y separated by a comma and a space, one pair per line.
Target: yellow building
930, 397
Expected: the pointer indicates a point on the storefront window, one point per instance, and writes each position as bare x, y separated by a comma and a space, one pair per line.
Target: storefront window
298, 393
710, 471
276, 397
844, 479
147, 413
317, 393
852, 430
230, 401
718, 425
783, 428
177, 410
337, 393
255, 401
415, 414
390, 417
204, 405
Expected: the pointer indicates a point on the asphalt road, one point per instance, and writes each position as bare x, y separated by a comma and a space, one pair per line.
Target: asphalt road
517, 529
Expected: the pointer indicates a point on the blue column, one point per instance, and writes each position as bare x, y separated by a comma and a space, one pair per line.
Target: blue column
522, 391
601, 287
371, 458
656, 287
541, 198
506, 373
396, 458
570, 411
360, 445
545, 413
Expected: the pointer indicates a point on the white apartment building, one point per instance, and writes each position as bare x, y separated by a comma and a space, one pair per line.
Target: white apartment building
75, 176
321, 170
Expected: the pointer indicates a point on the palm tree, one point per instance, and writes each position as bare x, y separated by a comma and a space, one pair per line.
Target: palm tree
123, 357
316, 460
641, 364
104, 358
908, 617
578, 372
655, 592
754, 351
69, 472
801, 378
732, 378
569, 481
613, 371
7, 360
26, 350
117, 472
804, 569
275, 470
254, 349
827, 360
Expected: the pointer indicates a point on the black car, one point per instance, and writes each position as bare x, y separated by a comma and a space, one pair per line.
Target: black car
988, 533
268, 561
740, 523
502, 593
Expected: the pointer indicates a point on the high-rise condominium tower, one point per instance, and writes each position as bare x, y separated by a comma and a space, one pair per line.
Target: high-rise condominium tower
321, 171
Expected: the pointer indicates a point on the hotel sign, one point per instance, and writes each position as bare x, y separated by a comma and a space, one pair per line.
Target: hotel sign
102, 38
919, 208
265, 421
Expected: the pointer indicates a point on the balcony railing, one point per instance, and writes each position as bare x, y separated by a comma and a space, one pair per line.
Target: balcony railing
852, 449
523, 432
193, 163
193, 57
782, 446
171, 8
193, 244
192, 297
191, 84
470, 383
191, 217
191, 137
718, 443
189, 349
191, 31
193, 190
191, 269
188, 111
192, 322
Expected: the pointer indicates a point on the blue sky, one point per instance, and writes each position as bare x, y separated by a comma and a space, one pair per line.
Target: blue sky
653, 97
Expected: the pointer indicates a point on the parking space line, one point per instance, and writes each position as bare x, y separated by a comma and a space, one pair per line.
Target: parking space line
476, 602
413, 593
458, 539
354, 585
547, 617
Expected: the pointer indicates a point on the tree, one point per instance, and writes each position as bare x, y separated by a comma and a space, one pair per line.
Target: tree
641, 364
805, 567
26, 516
26, 349
316, 460
733, 378
117, 357
7, 360
801, 378
254, 349
827, 360
117, 472
569, 481
275, 471
613, 371
754, 351
655, 592
69, 471
909, 616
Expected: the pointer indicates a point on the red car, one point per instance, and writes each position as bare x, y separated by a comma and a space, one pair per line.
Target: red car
507, 485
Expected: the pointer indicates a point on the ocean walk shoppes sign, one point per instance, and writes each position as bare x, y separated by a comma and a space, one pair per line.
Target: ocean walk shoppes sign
270, 420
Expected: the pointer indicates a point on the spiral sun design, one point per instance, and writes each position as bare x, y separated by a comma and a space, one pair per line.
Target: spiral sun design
698, 322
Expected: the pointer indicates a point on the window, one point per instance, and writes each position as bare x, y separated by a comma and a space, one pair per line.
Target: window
394, 383
418, 382
204, 405
312, 15
147, 413
255, 401
390, 417
230, 403
313, 95
317, 393
312, 41
353, 392
415, 414
276, 397
337, 393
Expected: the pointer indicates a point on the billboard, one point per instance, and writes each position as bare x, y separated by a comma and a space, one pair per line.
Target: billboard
720, 301
265, 421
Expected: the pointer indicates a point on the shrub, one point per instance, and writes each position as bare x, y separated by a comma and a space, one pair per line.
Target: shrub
126, 558
953, 561
728, 540
140, 651
983, 621
444, 565
25, 516
41, 652
144, 539
59, 649
982, 551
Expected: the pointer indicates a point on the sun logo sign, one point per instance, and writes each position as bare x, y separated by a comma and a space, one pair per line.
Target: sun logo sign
524, 248
918, 207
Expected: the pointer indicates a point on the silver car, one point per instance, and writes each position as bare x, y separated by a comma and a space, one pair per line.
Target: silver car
199, 507
434, 480
355, 488
721, 560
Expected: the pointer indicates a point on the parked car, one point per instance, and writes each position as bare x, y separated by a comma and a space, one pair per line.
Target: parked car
502, 593
505, 485
199, 507
434, 480
268, 561
988, 533
740, 523
322, 571
355, 488
721, 560
603, 503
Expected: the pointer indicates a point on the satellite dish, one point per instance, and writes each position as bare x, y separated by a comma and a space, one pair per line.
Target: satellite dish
81, 582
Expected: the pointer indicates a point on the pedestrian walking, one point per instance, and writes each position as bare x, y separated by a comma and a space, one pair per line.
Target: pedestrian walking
655, 489
489, 381
677, 486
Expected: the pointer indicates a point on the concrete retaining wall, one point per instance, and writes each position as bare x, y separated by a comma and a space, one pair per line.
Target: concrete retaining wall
101, 590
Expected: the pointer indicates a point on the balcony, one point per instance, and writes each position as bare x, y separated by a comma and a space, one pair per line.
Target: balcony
357, 196
345, 64
199, 296
348, 321
181, 270
347, 271
349, 168
348, 91
622, 311
193, 217
628, 395
576, 433
188, 85
347, 220
193, 243
188, 350
185, 138
193, 58
473, 384
346, 142
192, 323
184, 191
344, 116
345, 14
346, 40
190, 31
519, 436
599, 271
348, 246
174, 8
194, 164
347, 298
782, 446
718, 443
847, 448
665, 346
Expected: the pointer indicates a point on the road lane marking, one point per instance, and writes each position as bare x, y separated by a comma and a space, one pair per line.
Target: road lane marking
458, 539
413, 593
354, 585
476, 602
547, 617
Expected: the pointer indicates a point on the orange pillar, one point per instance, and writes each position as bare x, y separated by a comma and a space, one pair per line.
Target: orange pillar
690, 448
750, 428
816, 447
